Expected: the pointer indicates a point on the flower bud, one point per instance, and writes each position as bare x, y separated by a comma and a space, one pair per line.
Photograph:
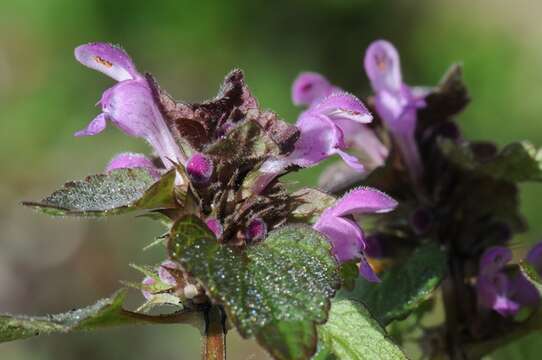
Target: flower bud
199, 168
165, 272
256, 229
147, 281
421, 220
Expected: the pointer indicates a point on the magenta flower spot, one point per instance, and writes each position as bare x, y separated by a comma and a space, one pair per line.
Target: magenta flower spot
200, 168
129, 104
256, 229
395, 102
147, 281
131, 160
215, 226
345, 235
165, 272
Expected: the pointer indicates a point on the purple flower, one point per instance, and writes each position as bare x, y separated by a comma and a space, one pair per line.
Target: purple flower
395, 102
503, 292
345, 235
319, 139
310, 89
129, 104
132, 160
320, 135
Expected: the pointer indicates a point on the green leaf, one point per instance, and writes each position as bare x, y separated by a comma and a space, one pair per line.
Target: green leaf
516, 162
349, 274
404, 287
105, 313
352, 334
276, 290
115, 192
312, 203
531, 274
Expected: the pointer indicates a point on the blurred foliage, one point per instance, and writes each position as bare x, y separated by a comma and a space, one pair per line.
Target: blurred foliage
49, 266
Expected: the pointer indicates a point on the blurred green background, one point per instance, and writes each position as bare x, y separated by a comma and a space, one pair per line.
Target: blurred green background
51, 265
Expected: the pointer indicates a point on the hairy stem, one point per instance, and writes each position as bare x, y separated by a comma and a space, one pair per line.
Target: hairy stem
451, 288
214, 337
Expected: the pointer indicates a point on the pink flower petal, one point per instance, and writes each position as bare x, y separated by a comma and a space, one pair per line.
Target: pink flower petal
341, 105
344, 234
96, 126
309, 87
363, 200
367, 271
108, 59
383, 67
131, 107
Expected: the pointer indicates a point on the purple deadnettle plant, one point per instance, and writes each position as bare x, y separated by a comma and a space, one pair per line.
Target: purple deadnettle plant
414, 218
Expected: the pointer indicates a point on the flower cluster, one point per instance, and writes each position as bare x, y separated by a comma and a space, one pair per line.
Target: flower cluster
235, 190
504, 292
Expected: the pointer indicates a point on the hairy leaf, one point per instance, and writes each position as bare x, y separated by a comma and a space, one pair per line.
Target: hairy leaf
352, 334
277, 290
404, 287
515, 162
247, 140
115, 192
105, 313
447, 99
